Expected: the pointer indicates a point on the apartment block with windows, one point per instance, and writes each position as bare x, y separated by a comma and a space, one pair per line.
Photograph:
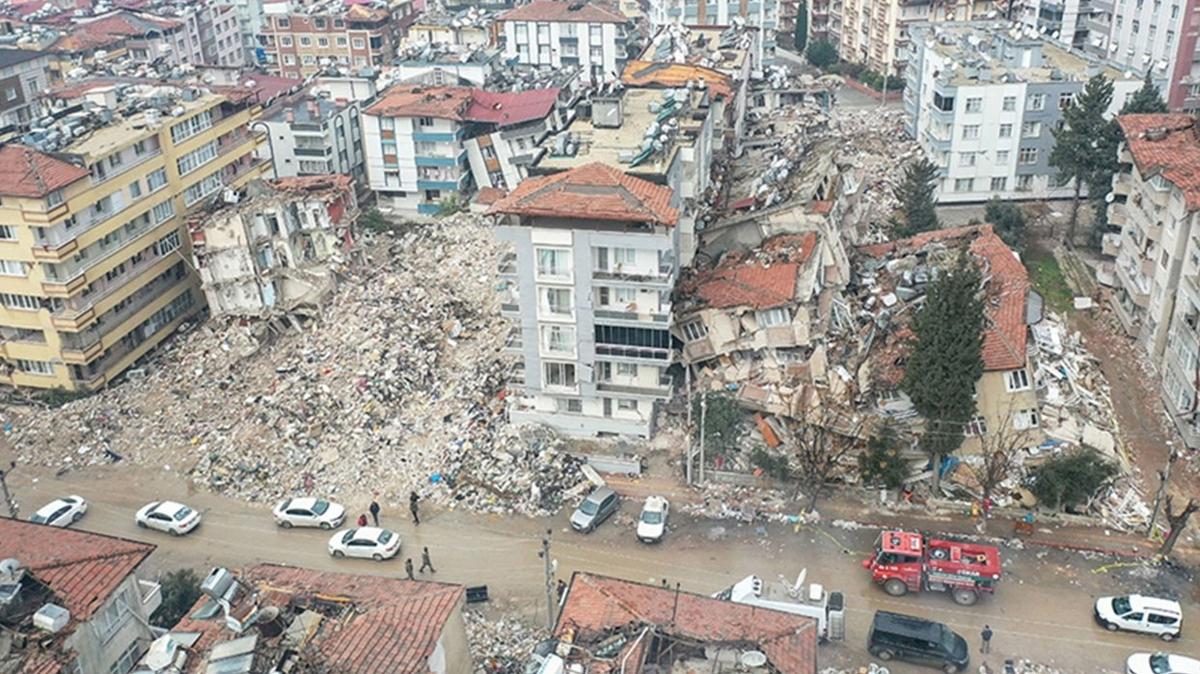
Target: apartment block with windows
589, 275
554, 34
24, 75
764, 15
876, 33
361, 36
984, 105
93, 261
309, 134
1150, 36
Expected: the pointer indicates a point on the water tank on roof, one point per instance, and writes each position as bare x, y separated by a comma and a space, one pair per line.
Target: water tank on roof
51, 618
218, 583
753, 659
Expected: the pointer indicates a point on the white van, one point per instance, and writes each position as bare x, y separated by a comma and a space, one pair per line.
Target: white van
1136, 613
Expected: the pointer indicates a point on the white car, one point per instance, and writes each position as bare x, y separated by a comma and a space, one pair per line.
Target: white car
309, 512
1161, 663
61, 512
652, 523
169, 516
378, 544
1137, 613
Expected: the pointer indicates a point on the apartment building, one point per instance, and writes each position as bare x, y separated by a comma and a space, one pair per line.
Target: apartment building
763, 15
24, 75
876, 33
1063, 21
471, 27
590, 273
554, 34
308, 135
426, 145
983, 101
93, 262
1150, 36
123, 33
298, 44
450, 65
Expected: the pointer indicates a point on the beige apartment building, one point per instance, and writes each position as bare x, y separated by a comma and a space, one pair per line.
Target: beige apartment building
94, 254
875, 32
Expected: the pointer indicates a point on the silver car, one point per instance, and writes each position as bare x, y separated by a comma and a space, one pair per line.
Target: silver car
594, 509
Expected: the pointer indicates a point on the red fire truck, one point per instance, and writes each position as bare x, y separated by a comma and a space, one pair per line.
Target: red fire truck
911, 562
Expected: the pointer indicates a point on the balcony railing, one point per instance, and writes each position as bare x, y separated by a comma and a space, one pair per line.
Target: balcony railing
632, 316
639, 352
110, 173
634, 389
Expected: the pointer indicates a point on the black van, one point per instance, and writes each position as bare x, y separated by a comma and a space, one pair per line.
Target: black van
905, 637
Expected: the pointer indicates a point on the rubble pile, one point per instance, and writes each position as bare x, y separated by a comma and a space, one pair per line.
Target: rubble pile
399, 383
499, 645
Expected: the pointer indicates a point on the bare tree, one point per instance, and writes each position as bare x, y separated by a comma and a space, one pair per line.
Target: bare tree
1000, 456
816, 446
1177, 521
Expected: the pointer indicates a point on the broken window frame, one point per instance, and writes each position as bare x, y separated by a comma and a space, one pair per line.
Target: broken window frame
1016, 380
694, 330
774, 317
1026, 419
976, 427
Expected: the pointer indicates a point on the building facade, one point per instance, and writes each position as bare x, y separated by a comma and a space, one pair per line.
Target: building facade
876, 33
590, 273
298, 44
1152, 37
554, 34
983, 105
24, 75
310, 135
764, 15
95, 253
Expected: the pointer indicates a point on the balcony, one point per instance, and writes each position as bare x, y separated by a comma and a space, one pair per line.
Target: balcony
151, 596
632, 316
665, 276
641, 353
59, 253
111, 173
431, 137
634, 389
510, 309
1120, 186
1117, 215
449, 185
1139, 291
508, 266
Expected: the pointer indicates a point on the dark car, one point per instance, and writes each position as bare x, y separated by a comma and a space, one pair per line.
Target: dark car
595, 508
917, 640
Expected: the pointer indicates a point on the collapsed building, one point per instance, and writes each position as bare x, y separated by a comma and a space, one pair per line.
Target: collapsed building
275, 249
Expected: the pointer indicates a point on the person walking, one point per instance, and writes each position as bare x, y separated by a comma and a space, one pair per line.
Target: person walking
987, 640
413, 498
408, 568
426, 562
362, 520
375, 511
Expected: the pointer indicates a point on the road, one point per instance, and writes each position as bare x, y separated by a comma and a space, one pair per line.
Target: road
1041, 612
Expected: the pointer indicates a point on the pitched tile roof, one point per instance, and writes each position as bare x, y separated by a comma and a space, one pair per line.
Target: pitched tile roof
509, 108
25, 172
82, 568
595, 604
394, 627
591, 192
409, 101
582, 11
741, 281
1167, 144
111, 28
675, 75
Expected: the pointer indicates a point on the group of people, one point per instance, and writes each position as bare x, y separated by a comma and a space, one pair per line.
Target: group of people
414, 500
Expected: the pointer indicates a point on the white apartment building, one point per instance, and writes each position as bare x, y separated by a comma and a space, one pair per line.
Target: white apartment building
555, 34
983, 103
763, 15
1063, 21
1150, 35
309, 134
589, 280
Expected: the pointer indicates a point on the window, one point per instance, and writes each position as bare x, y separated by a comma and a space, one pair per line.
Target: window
358, 43
7, 233
1028, 155
285, 41
558, 339
114, 160
772, 317
560, 374
1036, 102
974, 104
977, 427
305, 41
163, 211
943, 103
964, 184
571, 405
322, 42
693, 330
54, 198
1016, 380
1010, 103
35, 366
999, 184
966, 158
1065, 100
970, 132
341, 42
556, 301
128, 658
626, 404
627, 369
156, 179
135, 189
308, 60
554, 262
1006, 130
1002, 156
202, 189
319, 23
26, 302
281, 22
197, 158
1025, 419
425, 121
167, 244
1024, 183
10, 94
624, 256
191, 126
289, 60
1031, 129
12, 268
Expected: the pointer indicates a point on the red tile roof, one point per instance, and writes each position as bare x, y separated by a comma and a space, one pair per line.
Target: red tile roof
489, 195
394, 627
111, 28
82, 568
675, 75
740, 281
591, 192
409, 101
595, 604
511, 108
581, 11
1167, 144
25, 172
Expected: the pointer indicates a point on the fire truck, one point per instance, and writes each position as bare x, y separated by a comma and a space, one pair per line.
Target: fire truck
911, 562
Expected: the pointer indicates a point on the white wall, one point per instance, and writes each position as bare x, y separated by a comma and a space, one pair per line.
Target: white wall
610, 59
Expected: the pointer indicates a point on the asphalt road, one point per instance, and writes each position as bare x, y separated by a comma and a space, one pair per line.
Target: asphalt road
1042, 611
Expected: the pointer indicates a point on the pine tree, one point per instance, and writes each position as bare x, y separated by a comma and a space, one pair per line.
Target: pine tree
1144, 100
915, 194
946, 360
1085, 148
801, 36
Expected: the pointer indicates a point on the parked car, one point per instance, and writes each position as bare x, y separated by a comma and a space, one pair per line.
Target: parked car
309, 512
595, 508
169, 516
1137, 613
373, 542
912, 639
62, 512
652, 523
1161, 663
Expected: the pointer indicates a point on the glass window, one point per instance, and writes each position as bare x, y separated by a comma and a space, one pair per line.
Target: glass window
35, 366
1031, 129
693, 330
25, 302
560, 374
772, 317
1028, 155
556, 301
1016, 380
627, 405
974, 104
1006, 130
558, 338
964, 184
999, 184
554, 262
156, 179
1035, 102
191, 126
1010, 103
970, 132
13, 268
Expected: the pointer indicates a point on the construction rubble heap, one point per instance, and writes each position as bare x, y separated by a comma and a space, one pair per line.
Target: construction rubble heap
398, 385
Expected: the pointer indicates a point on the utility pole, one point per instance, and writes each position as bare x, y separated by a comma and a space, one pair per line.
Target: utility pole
9, 501
1164, 476
545, 555
703, 430
688, 455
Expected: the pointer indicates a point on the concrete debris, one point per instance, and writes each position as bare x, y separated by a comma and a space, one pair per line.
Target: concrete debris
500, 645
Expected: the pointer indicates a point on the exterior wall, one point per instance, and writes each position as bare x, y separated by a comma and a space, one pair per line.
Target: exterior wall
20, 86
250, 20
303, 149
119, 632
409, 178
598, 48
999, 405
877, 32
1181, 358
764, 14
220, 36
453, 653
1063, 21
467, 36
501, 158
296, 44
475, 73
1151, 36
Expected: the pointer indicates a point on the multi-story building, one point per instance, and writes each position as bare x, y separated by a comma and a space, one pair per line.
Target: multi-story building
983, 105
1063, 21
95, 256
422, 144
73, 600
1152, 37
445, 65
24, 75
761, 15
471, 27
875, 33
142, 38
591, 269
309, 134
298, 43
554, 34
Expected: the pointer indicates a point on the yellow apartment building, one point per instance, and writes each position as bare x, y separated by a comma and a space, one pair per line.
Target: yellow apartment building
94, 256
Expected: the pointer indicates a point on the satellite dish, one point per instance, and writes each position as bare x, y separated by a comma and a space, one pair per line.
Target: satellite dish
753, 659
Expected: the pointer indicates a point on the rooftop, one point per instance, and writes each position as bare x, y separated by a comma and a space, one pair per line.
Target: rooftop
408, 101
721, 47
124, 129
675, 75
26, 172
466, 104
12, 57
591, 192
763, 280
1166, 144
580, 11
109, 28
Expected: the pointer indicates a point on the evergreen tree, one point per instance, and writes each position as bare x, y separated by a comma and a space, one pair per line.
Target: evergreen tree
1085, 148
915, 194
1144, 100
946, 360
1008, 221
822, 54
801, 36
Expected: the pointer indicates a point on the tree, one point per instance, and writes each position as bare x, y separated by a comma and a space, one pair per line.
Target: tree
180, 590
722, 420
822, 54
915, 194
1008, 221
801, 36
883, 462
1070, 479
1177, 523
373, 220
1085, 148
1145, 100
999, 457
945, 362
816, 447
